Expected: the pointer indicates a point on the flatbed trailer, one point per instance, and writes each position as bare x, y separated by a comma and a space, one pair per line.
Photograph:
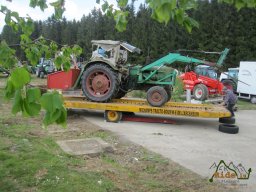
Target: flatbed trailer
113, 110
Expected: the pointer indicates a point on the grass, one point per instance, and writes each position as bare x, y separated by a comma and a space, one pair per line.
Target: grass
245, 105
27, 163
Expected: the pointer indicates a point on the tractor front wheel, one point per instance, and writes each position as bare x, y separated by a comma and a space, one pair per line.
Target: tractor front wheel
100, 83
200, 92
157, 96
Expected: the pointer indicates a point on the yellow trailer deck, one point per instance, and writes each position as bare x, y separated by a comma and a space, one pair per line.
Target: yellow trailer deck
113, 110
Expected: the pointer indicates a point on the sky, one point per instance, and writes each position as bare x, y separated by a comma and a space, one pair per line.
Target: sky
75, 9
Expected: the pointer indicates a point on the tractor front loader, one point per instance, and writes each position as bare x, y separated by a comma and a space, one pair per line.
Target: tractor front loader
107, 75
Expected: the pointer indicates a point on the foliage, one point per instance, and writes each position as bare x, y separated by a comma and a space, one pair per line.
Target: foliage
178, 90
29, 100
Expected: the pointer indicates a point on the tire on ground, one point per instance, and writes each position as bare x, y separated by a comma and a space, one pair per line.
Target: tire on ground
200, 92
227, 128
100, 83
227, 120
157, 96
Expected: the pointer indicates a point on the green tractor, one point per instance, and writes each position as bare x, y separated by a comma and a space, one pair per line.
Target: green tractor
108, 75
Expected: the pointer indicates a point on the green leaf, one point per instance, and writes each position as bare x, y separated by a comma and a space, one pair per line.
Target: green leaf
62, 120
98, 1
42, 4
9, 89
122, 3
58, 61
33, 3
53, 46
77, 50
188, 26
52, 102
105, 6
8, 18
18, 102
3, 8
121, 21
33, 95
20, 77
240, 4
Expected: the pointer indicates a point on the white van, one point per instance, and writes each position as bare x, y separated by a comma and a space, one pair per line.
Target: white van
246, 85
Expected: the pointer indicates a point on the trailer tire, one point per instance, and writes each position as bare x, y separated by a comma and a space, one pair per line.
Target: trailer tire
113, 116
100, 83
200, 92
227, 120
157, 96
227, 128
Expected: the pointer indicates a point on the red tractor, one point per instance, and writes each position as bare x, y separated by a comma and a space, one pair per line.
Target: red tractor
202, 82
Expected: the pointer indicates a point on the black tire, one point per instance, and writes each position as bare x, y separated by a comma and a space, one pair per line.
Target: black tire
229, 84
106, 74
41, 75
227, 128
227, 120
157, 96
113, 116
200, 92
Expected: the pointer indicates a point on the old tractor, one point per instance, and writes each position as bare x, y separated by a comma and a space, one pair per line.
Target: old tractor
108, 75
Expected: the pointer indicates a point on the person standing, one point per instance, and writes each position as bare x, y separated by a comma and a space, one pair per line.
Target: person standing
230, 100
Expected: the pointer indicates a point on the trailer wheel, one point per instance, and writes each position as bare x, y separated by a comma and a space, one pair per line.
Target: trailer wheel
157, 96
113, 116
100, 83
200, 92
227, 120
227, 128
229, 84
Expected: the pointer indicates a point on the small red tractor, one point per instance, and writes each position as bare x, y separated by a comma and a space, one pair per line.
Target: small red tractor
202, 82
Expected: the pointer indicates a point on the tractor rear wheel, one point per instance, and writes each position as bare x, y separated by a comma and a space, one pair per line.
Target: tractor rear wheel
100, 83
200, 92
229, 84
157, 96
